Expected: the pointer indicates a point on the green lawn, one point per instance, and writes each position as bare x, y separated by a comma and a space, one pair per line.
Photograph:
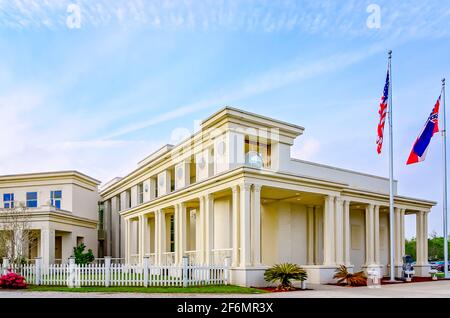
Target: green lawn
215, 289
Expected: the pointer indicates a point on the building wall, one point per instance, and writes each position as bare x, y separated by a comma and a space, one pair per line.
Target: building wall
222, 223
357, 238
354, 179
283, 233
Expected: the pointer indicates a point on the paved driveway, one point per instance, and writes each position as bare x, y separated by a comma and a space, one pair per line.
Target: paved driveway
436, 289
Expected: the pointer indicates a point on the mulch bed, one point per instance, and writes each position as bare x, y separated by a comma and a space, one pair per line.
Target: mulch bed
385, 281
274, 289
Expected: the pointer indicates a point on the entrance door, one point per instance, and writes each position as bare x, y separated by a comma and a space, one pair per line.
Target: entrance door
58, 248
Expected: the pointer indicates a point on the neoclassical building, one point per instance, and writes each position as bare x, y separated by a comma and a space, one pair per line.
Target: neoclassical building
58, 211
233, 190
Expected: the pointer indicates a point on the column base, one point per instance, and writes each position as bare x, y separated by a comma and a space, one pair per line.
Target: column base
322, 274
422, 270
380, 267
398, 271
249, 276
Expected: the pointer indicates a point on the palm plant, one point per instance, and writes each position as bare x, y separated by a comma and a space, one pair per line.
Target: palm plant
285, 273
350, 279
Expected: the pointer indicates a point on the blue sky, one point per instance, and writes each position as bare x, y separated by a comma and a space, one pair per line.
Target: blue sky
135, 74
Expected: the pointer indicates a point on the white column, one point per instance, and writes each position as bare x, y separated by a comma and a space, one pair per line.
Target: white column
402, 232
317, 234
128, 237
209, 209
180, 231
397, 236
48, 246
143, 221
419, 238
310, 232
256, 224
244, 218
376, 222
176, 220
201, 230
370, 234
425, 236
235, 211
339, 231
347, 233
160, 235
328, 232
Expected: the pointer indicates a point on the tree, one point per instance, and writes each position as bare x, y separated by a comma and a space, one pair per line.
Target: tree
16, 236
82, 257
410, 247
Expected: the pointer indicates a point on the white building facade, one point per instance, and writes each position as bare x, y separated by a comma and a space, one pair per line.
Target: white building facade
60, 210
233, 190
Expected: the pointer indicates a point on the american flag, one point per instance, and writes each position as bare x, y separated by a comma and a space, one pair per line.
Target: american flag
383, 112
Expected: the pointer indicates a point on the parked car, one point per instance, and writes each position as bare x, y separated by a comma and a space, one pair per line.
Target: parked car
433, 264
440, 266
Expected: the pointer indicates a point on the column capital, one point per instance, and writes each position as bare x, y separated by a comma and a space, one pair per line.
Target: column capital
235, 188
245, 186
209, 196
329, 198
257, 187
346, 203
339, 200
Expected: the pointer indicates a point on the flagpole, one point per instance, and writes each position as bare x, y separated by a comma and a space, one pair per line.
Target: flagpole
391, 175
444, 159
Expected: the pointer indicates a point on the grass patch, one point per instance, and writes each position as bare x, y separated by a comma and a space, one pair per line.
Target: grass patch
214, 289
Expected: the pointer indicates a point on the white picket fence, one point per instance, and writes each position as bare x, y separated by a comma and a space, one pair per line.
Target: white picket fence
108, 274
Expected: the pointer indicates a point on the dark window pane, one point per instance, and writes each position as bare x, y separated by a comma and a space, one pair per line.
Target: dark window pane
58, 194
6, 197
32, 204
31, 195
58, 204
6, 205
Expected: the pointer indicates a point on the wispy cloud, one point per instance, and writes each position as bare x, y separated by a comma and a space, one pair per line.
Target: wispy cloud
273, 79
406, 18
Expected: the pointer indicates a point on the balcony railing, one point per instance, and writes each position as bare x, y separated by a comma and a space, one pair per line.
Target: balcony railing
168, 258
151, 258
194, 257
134, 259
218, 255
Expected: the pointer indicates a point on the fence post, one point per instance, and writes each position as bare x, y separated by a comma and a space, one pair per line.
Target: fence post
38, 270
226, 270
107, 270
145, 265
185, 263
5, 265
71, 277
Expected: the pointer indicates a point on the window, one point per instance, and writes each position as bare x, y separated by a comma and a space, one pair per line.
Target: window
8, 200
172, 233
140, 193
31, 199
128, 198
55, 198
119, 203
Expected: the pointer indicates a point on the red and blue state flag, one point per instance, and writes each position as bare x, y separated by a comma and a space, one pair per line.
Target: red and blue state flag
420, 147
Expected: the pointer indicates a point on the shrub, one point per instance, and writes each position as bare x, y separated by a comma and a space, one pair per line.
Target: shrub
12, 280
349, 279
284, 273
82, 257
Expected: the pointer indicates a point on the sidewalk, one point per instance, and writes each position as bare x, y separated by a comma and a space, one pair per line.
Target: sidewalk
436, 289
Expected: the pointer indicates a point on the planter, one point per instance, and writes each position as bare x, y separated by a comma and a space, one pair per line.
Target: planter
303, 284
